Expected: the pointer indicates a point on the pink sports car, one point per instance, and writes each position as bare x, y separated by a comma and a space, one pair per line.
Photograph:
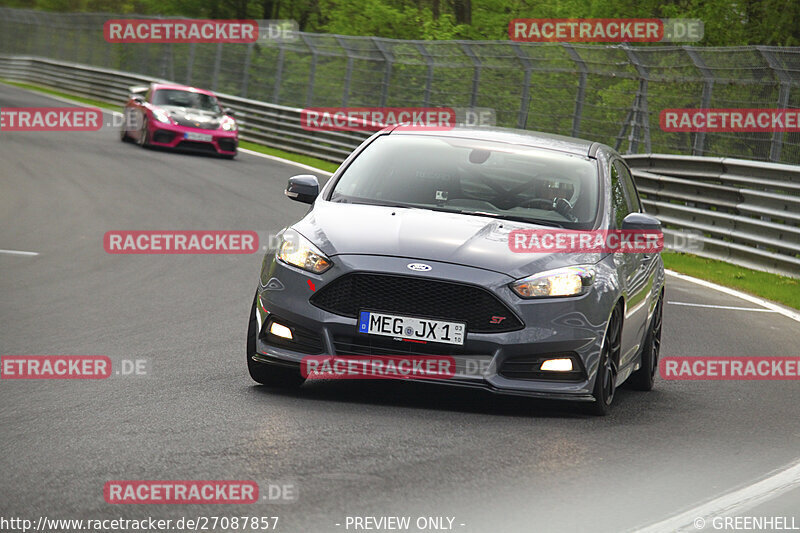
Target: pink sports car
177, 116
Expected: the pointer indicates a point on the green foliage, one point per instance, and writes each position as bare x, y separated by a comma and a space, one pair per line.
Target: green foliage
727, 22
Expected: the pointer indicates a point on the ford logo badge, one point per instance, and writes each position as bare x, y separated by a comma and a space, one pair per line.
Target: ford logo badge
419, 267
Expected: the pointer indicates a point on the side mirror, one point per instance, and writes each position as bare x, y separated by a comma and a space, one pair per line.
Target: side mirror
228, 111
138, 98
641, 221
303, 188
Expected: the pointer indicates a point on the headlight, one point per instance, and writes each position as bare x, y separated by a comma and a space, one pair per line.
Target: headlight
298, 251
569, 281
161, 115
227, 123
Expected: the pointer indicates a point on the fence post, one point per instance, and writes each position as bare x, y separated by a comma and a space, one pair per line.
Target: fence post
525, 101
312, 72
699, 146
387, 70
348, 75
783, 98
639, 110
476, 73
190, 64
581, 96
246, 70
426, 100
217, 62
276, 90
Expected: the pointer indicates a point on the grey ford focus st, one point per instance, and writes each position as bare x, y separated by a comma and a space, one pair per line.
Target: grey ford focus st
406, 252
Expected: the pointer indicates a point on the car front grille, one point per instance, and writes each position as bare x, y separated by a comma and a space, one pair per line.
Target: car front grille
380, 346
482, 311
197, 146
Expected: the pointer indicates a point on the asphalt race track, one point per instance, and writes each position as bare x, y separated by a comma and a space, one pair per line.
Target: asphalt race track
353, 448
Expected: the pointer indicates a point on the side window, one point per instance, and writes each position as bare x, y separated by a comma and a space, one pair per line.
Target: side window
618, 200
630, 189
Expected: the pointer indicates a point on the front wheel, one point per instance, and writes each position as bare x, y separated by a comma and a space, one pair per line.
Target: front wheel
144, 141
644, 378
605, 384
265, 373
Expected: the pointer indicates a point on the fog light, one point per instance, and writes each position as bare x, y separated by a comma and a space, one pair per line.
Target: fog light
557, 365
279, 330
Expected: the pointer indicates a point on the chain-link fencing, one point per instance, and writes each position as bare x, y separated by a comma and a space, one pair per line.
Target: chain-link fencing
610, 93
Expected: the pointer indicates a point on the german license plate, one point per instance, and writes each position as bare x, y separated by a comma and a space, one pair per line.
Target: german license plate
192, 136
407, 327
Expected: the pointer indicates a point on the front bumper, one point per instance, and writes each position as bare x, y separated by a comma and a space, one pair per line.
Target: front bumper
174, 136
553, 327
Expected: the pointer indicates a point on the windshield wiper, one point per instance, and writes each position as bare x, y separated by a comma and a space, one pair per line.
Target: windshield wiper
365, 201
512, 217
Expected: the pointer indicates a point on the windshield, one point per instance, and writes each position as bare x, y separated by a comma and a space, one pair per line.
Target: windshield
475, 177
181, 98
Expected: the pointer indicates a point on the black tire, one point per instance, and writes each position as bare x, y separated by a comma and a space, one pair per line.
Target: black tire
644, 378
123, 134
605, 383
143, 141
265, 373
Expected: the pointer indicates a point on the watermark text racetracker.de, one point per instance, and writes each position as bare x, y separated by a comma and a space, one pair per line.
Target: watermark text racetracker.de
71, 367
187, 492
576, 241
729, 368
607, 30
378, 118
181, 242
141, 31
730, 120
20, 119
50, 119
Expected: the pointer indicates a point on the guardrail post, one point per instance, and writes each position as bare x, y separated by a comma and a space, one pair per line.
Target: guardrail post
525, 101
387, 70
426, 100
581, 96
783, 98
348, 73
476, 73
699, 145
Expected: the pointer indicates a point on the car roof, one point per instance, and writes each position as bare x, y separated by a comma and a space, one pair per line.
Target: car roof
157, 86
534, 139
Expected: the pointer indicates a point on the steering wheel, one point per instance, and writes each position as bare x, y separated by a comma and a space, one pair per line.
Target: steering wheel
559, 205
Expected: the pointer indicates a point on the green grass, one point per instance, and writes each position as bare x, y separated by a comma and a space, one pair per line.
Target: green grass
773, 287
298, 158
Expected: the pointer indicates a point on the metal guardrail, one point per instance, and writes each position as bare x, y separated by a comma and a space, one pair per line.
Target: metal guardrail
743, 212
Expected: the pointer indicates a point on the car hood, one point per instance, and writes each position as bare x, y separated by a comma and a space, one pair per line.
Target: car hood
426, 235
193, 118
